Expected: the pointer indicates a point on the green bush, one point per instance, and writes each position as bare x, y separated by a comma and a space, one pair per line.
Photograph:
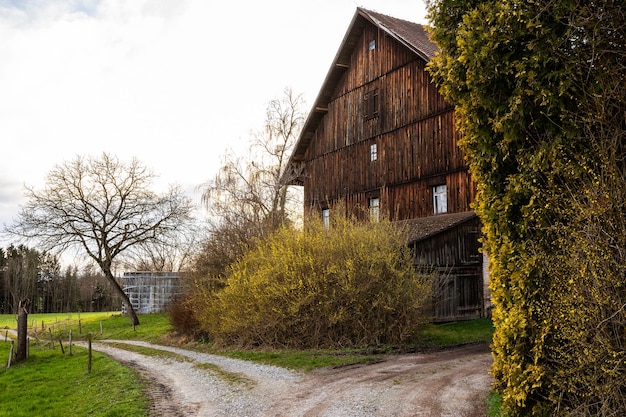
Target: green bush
352, 284
539, 93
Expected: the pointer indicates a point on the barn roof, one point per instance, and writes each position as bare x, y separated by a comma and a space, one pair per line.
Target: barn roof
425, 227
412, 35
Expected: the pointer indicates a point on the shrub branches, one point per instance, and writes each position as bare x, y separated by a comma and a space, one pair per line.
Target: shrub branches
351, 285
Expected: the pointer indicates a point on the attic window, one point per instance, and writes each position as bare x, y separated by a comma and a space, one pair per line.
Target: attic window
370, 102
372, 45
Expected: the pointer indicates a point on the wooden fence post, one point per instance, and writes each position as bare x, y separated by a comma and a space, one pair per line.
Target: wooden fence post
22, 329
70, 342
89, 353
10, 354
51, 338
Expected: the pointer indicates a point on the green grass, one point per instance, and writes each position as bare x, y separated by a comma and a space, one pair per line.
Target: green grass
152, 328
306, 360
50, 384
54, 319
457, 333
494, 405
59, 385
148, 351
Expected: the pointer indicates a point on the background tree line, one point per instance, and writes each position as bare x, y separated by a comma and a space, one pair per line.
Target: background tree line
26, 273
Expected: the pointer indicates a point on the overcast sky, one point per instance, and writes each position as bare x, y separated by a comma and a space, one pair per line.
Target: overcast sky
173, 83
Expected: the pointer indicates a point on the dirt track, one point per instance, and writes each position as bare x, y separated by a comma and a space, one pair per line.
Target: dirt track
451, 383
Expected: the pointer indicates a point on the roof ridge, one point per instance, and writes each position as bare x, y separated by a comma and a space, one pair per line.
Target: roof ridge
413, 35
371, 11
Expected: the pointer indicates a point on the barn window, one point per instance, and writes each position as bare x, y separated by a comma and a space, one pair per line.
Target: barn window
370, 103
372, 45
374, 209
326, 218
373, 152
440, 199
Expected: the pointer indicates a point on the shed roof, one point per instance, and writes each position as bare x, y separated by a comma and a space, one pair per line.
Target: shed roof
412, 35
425, 227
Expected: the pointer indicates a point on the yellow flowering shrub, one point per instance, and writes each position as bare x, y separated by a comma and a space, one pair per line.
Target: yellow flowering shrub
352, 284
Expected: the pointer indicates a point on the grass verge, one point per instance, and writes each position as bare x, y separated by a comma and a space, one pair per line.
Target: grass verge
494, 405
51, 384
230, 377
306, 360
456, 333
433, 336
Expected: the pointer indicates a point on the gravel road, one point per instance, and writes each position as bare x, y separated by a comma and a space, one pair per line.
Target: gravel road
450, 383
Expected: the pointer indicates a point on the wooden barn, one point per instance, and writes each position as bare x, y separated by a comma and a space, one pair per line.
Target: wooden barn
381, 139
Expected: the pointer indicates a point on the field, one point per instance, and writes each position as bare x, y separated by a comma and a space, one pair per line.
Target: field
106, 325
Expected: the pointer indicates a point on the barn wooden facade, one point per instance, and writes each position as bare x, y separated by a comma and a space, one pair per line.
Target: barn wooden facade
381, 139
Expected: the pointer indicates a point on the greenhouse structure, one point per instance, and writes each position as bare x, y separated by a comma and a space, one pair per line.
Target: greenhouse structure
150, 292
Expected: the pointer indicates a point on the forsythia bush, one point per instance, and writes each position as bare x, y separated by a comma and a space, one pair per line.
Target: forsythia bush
352, 284
587, 301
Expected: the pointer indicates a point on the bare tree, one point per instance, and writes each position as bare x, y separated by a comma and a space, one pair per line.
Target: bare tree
175, 255
103, 207
249, 190
274, 144
247, 197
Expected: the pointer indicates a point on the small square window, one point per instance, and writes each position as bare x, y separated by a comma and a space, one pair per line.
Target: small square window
374, 209
440, 199
372, 45
373, 152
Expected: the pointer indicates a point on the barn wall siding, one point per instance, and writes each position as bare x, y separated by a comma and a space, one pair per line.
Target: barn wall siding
386, 98
456, 254
414, 133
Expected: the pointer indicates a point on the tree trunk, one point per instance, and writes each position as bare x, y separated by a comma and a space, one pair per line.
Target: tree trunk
22, 330
129, 307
